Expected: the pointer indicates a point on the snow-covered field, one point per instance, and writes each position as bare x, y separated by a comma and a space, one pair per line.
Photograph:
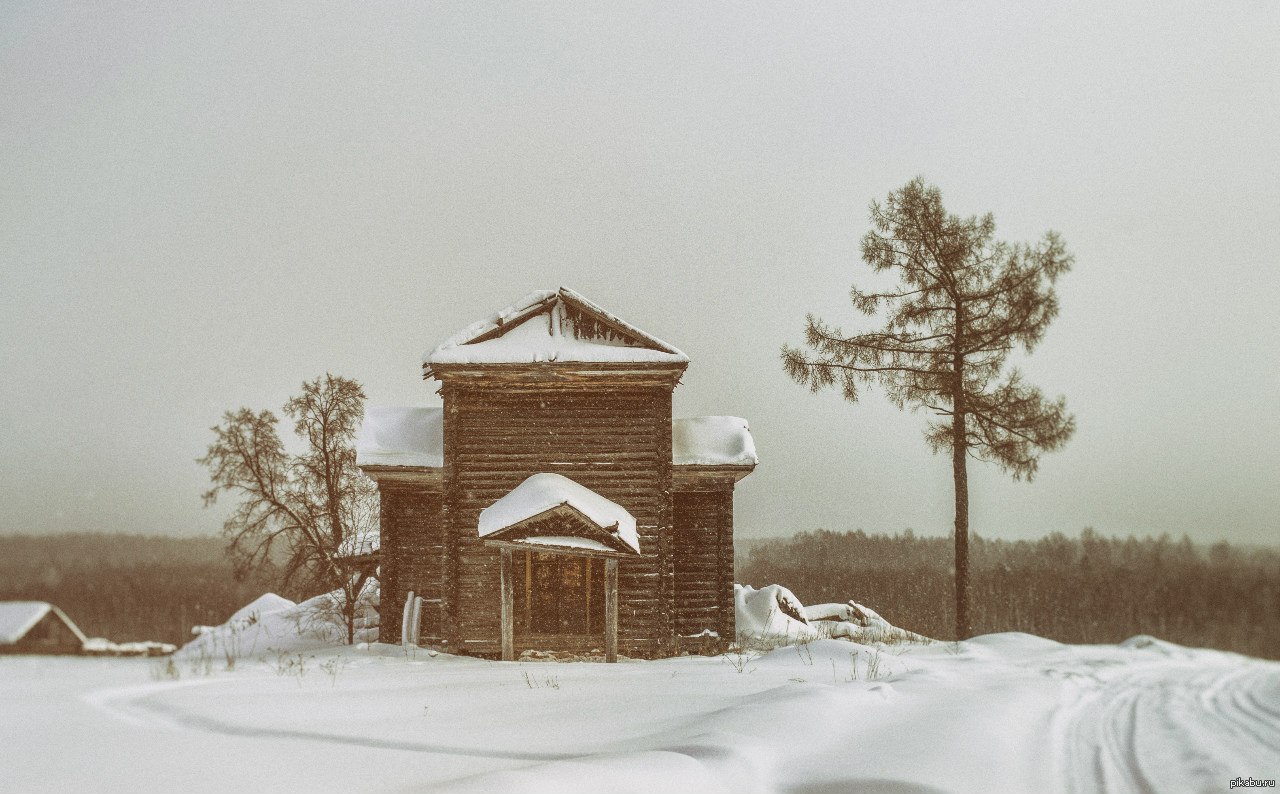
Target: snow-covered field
1005, 712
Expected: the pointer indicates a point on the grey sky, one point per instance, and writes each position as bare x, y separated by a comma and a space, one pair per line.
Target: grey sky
200, 207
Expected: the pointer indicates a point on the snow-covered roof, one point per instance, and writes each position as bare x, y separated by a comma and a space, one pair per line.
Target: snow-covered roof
401, 436
543, 492
712, 441
547, 326
18, 617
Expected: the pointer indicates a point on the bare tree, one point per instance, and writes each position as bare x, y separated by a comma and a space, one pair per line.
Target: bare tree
297, 507
963, 302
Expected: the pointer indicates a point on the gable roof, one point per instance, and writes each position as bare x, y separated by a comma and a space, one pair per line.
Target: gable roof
608, 526
552, 326
19, 617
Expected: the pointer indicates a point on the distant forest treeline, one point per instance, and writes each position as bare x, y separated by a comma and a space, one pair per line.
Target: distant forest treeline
127, 587
1089, 589
1086, 589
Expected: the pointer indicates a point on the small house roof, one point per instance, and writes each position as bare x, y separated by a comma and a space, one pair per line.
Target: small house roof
19, 617
552, 326
402, 436
545, 493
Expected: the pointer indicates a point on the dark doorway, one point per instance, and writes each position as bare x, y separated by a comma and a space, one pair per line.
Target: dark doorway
559, 594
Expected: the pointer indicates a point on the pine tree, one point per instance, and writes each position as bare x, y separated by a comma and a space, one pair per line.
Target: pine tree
963, 302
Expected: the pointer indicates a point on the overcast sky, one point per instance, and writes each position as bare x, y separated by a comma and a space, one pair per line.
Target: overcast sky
201, 206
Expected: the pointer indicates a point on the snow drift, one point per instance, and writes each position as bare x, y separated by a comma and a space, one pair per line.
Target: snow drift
773, 616
272, 623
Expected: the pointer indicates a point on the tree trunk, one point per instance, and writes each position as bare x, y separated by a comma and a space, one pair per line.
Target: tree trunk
960, 472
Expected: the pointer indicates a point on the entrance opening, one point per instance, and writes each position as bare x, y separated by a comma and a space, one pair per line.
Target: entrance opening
559, 595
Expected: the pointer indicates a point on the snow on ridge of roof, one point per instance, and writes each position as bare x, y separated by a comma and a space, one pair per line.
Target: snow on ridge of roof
530, 341
17, 618
546, 491
393, 435
496, 320
577, 297
712, 441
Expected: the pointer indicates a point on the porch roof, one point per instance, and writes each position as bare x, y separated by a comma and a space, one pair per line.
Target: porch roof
553, 511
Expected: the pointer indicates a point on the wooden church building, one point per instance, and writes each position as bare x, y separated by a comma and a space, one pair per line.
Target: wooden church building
553, 503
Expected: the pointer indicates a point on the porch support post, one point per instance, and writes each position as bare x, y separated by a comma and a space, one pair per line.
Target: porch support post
611, 610
508, 608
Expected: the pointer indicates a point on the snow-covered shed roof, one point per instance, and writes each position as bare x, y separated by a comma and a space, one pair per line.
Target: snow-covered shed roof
547, 493
19, 617
712, 441
401, 436
552, 326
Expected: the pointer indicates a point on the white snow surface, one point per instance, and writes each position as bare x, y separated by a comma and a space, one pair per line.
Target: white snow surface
712, 441
548, 336
999, 713
542, 492
401, 436
17, 618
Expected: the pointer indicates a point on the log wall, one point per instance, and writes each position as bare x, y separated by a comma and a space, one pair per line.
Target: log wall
413, 558
610, 435
703, 560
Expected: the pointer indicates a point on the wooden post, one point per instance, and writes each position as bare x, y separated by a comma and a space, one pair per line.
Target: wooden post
586, 578
508, 608
528, 592
611, 610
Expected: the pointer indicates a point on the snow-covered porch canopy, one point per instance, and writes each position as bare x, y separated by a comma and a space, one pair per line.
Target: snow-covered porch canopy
550, 512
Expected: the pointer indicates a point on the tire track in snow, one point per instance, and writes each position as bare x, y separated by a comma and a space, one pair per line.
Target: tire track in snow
1172, 725
143, 706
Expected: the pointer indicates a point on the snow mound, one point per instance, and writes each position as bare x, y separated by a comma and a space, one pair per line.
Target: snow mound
773, 616
101, 646
271, 623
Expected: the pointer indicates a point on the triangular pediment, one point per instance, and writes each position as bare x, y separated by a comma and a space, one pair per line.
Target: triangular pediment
553, 326
550, 510
563, 527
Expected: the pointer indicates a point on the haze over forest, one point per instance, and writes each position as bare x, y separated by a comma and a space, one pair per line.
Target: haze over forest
204, 206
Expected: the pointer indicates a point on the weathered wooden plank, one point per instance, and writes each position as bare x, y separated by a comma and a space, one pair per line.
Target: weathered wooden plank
611, 610
508, 608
